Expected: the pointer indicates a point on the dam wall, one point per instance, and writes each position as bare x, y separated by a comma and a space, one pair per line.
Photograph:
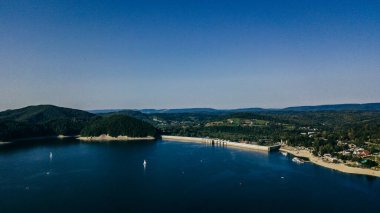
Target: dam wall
222, 142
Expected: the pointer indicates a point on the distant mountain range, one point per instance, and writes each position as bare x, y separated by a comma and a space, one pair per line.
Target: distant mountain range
332, 107
336, 107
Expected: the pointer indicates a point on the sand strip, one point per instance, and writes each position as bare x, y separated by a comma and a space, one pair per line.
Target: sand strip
118, 138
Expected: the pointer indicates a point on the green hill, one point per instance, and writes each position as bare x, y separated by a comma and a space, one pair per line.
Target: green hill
10, 130
42, 120
116, 125
44, 113
131, 113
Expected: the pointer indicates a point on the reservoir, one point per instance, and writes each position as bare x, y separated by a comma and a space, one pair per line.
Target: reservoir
55, 175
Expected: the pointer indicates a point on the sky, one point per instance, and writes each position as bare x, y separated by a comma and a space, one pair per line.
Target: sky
176, 54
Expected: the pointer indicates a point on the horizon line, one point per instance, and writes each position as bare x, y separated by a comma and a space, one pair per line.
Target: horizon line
253, 107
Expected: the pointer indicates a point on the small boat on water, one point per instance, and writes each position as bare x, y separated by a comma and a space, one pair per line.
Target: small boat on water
297, 160
51, 156
144, 163
284, 154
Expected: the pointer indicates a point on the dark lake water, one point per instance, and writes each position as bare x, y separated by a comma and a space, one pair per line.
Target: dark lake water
179, 177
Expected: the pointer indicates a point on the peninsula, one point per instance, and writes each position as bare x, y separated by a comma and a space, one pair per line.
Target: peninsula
48, 121
118, 127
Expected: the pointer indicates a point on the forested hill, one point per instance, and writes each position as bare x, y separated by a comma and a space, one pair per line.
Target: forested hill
49, 120
43, 113
119, 125
42, 120
131, 113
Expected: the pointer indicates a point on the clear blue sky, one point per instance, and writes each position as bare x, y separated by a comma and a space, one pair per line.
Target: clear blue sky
168, 54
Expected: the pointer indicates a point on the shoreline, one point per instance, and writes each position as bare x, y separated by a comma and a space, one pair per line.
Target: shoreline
221, 142
38, 138
335, 166
80, 138
288, 149
110, 138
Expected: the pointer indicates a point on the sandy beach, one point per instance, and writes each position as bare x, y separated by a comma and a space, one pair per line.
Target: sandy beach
110, 138
335, 166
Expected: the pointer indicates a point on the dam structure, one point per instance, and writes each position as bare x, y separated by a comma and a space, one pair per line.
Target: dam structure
220, 142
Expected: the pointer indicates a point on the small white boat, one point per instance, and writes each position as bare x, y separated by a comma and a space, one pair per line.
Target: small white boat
144, 163
51, 156
284, 154
297, 160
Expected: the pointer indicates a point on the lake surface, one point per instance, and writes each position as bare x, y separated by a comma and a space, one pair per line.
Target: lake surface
179, 177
